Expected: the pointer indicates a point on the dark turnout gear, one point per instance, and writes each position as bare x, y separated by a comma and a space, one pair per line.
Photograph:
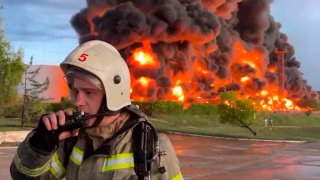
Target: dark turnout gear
117, 157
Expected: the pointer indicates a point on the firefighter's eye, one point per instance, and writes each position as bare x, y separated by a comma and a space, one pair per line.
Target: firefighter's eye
89, 93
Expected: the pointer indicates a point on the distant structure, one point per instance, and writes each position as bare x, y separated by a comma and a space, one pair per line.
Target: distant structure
281, 71
58, 87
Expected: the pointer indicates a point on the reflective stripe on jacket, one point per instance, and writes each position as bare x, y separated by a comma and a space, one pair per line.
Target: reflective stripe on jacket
116, 162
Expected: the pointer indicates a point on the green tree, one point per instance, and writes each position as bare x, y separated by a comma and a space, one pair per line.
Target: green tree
235, 111
63, 104
11, 71
33, 105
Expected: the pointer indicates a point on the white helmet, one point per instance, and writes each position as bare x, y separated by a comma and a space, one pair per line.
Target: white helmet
105, 62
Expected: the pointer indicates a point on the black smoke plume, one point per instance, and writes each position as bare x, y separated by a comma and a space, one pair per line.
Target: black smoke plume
184, 31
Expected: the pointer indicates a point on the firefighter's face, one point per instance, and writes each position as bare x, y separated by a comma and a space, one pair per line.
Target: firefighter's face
87, 97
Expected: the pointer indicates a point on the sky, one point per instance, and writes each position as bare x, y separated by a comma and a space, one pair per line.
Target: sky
42, 29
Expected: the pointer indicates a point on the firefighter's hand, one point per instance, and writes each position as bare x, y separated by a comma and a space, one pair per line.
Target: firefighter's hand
43, 138
53, 120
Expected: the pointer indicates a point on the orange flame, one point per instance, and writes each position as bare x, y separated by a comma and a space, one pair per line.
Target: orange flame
178, 92
245, 79
143, 81
144, 57
186, 84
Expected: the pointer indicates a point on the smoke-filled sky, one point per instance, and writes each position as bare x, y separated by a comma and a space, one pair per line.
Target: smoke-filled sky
42, 29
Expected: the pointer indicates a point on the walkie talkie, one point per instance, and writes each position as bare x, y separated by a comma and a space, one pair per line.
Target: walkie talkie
75, 121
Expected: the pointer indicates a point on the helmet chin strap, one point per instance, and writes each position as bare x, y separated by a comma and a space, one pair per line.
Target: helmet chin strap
104, 111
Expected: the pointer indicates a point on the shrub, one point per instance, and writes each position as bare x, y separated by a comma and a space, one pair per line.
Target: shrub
13, 109
63, 104
160, 107
35, 110
202, 109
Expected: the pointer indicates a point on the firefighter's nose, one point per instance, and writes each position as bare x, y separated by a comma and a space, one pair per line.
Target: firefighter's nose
79, 100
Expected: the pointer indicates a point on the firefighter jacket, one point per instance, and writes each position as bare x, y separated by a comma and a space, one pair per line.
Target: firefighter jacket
113, 159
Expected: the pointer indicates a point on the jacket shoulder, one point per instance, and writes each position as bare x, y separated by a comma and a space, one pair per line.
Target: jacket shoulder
136, 111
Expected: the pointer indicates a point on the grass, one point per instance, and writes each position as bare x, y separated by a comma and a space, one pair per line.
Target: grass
286, 126
14, 124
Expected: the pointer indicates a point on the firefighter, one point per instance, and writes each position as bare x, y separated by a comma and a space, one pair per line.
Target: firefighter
116, 142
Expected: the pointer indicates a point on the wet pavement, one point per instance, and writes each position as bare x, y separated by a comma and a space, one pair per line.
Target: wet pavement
6, 155
210, 158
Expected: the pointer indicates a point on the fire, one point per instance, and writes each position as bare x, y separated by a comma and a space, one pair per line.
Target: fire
245, 79
144, 57
275, 102
178, 92
270, 97
206, 56
144, 81
264, 92
200, 69
251, 64
142, 87
288, 103
246, 68
272, 69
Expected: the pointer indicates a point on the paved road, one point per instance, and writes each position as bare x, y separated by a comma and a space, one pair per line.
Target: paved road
209, 158
6, 155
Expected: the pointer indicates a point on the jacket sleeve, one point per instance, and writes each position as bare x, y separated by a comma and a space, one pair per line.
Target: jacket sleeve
30, 163
166, 166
